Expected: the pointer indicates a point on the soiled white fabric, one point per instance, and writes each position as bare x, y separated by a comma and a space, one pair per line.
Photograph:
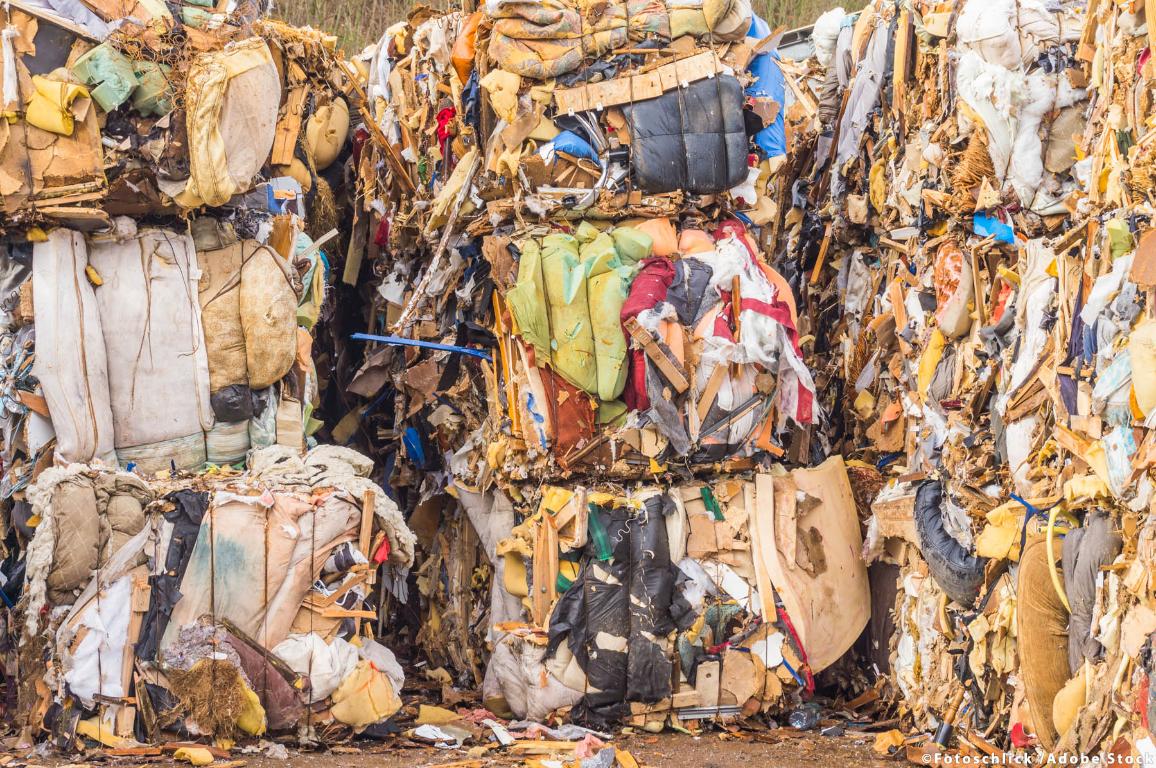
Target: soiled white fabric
96, 667
825, 34
1032, 303
863, 98
1012, 105
765, 340
326, 665
520, 674
384, 660
1011, 33
158, 370
70, 354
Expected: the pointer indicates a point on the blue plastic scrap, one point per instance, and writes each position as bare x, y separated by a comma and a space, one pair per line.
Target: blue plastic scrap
570, 143
400, 342
769, 83
987, 226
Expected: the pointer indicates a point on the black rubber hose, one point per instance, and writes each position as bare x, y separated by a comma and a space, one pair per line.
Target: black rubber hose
957, 572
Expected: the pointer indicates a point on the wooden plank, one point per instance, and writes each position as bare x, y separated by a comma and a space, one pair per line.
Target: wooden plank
368, 504
660, 355
895, 294
125, 719
638, 87
139, 605
313, 600
902, 63
289, 126
343, 613
822, 255
710, 392
803, 97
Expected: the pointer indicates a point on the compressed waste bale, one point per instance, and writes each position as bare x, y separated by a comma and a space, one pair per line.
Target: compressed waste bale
85, 517
72, 506
232, 100
70, 353
249, 303
228, 560
220, 298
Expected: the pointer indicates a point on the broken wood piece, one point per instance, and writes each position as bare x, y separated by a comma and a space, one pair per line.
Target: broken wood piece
368, 505
822, 255
713, 385
289, 126
314, 600
660, 355
637, 87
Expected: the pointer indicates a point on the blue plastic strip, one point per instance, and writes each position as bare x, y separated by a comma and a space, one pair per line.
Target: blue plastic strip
798, 678
399, 341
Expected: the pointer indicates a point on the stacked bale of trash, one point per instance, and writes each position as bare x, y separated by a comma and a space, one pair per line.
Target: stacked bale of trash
575, 336
175, 563
217, 605
970, 225
187, 339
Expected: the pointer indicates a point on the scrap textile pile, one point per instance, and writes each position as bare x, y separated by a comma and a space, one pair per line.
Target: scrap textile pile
610, 361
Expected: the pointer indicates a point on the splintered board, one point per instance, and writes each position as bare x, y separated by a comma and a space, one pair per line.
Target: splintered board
632, 88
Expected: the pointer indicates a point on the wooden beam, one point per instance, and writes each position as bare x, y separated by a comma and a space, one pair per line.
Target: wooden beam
660, 355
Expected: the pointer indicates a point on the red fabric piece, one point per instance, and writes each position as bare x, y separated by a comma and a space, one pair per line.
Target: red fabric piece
572, 412
1019, 738
360, 136
647, 291
736, 228
381, 239
382, 553
780, 312
722, 321
445, 117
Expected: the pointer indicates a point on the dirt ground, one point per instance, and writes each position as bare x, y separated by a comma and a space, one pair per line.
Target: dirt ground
773, 749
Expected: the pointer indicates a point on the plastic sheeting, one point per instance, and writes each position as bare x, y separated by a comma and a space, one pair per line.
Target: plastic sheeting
690, 139
613, 617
